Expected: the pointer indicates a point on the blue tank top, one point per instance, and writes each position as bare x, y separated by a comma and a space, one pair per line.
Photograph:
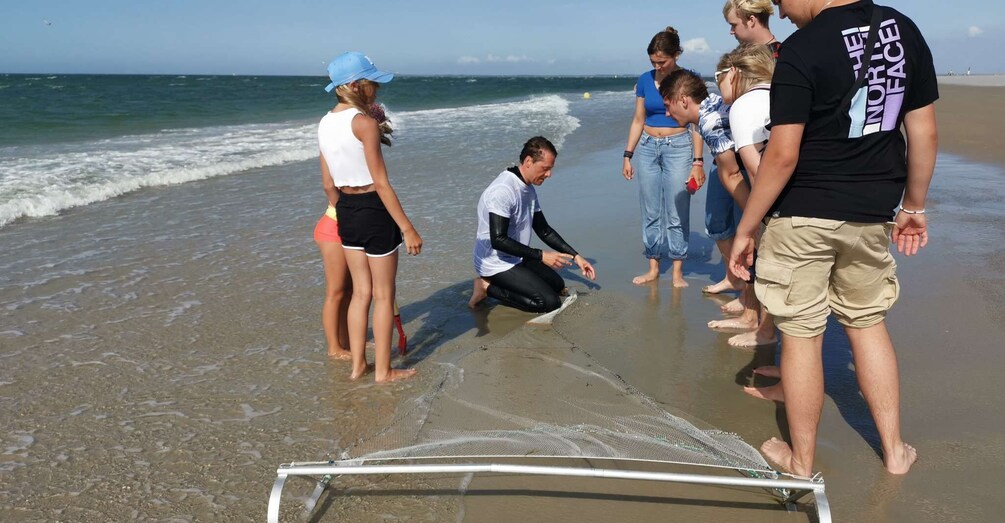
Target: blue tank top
656, 112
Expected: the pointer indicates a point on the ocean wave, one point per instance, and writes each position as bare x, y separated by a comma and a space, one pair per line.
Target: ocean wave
547, 115
42, 182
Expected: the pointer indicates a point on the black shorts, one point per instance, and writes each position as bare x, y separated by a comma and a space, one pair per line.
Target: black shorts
365, 225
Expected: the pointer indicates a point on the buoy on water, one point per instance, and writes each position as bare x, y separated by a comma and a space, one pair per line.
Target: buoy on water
586, 96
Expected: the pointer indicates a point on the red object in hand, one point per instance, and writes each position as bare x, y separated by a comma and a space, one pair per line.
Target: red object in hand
692, 186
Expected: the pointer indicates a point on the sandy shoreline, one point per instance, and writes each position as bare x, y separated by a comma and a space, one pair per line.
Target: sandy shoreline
970, 119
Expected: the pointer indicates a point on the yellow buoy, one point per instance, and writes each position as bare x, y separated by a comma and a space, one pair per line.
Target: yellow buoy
586, 96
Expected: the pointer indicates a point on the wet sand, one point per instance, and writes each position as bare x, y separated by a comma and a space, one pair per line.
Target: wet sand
970, 117
198, 367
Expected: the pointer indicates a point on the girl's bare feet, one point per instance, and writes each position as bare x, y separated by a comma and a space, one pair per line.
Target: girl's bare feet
733, 308
648, 277
396, 375
749, 340
770, 393
723, 286
367, 369
733, 324
340, 354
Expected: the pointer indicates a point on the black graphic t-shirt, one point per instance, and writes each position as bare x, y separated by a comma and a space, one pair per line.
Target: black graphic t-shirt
852, 160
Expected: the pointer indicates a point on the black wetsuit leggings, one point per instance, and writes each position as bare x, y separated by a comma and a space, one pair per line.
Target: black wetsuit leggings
531, 286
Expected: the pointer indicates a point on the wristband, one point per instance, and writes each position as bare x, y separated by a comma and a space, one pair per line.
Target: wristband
905, 211
698, 159
629, 154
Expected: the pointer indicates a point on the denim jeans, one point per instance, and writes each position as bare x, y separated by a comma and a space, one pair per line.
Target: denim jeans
663, 167
722, 213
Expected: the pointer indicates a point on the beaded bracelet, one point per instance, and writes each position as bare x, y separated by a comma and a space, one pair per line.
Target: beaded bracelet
905, 211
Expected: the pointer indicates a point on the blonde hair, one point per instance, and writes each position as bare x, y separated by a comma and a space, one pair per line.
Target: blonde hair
760, 9
345, 94
754, 64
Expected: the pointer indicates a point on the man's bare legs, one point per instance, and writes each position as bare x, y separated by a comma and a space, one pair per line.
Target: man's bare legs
879, 379
651, 275
334, 310
803, 377
678, 274
479, 292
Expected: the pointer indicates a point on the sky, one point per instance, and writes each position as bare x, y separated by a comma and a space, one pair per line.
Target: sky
298, 37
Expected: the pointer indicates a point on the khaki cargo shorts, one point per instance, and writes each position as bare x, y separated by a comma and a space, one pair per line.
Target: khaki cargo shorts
810, 267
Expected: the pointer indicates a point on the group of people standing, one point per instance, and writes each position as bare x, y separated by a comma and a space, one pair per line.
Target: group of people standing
812, 178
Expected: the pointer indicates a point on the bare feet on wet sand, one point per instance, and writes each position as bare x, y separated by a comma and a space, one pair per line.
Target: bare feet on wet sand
357, 374
899, 461
648, 277
723, 286
733, 308
750, 340
479, 292
779, 453
771, 392
733, 324
769, 371
340, 354
396, 375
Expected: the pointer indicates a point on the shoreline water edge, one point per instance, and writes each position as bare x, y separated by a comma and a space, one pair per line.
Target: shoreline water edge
162, 353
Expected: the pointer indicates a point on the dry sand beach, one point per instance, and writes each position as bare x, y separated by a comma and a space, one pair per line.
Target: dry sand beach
183, 409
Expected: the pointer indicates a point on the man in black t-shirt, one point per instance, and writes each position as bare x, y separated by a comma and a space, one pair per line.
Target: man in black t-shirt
833, 173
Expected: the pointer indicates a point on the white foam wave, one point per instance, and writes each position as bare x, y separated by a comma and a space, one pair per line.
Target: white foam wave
36, 181
546, 115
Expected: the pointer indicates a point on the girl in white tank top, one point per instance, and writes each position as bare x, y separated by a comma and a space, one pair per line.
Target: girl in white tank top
372, 223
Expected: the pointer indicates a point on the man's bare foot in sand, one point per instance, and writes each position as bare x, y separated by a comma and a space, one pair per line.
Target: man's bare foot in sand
780, 453
900, 460
340, 354
749, 340
770, 393
733, 308
479, 292
733, 324
769, 371
396, 375
367, 369
723, 286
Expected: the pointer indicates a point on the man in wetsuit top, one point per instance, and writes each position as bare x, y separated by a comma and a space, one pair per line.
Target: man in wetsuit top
509, 270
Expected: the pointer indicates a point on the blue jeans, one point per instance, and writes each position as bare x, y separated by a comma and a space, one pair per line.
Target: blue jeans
663, 167
722, 213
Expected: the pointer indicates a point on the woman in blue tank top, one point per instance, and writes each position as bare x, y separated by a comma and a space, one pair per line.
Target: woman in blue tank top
668, 158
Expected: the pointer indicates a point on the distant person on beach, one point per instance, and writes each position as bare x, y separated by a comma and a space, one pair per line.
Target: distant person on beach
371, 222
748, 22
669, 157
509, 270
835, 168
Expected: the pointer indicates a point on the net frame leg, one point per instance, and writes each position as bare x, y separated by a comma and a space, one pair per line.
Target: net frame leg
275, 497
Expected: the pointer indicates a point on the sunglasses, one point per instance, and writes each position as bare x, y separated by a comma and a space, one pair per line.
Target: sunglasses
720, 73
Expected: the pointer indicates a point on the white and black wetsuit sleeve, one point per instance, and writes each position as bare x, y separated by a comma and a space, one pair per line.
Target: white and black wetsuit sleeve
550, 236
501, 241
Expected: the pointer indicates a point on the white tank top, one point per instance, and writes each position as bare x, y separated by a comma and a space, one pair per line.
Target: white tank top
342, 150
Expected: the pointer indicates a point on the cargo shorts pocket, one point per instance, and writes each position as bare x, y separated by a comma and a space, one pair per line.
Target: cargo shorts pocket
772, 285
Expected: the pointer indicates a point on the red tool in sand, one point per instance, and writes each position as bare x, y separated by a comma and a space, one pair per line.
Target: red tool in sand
402, 339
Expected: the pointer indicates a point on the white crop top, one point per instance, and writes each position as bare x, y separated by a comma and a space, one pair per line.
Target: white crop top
342, 150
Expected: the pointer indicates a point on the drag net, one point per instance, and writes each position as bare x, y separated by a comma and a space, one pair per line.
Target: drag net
552, 401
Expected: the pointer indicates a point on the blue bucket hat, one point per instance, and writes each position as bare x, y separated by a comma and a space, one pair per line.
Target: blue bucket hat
352, 66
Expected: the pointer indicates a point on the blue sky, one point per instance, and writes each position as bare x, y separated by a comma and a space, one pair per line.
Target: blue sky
297, 37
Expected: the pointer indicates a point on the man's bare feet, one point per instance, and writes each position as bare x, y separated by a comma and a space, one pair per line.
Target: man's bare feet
769, 371
779, 453
396, 375
340, 354
733, 308
770, 393
359, 374
749, 340
900, 460
648, 277
479, 292
733, 324
723, 286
